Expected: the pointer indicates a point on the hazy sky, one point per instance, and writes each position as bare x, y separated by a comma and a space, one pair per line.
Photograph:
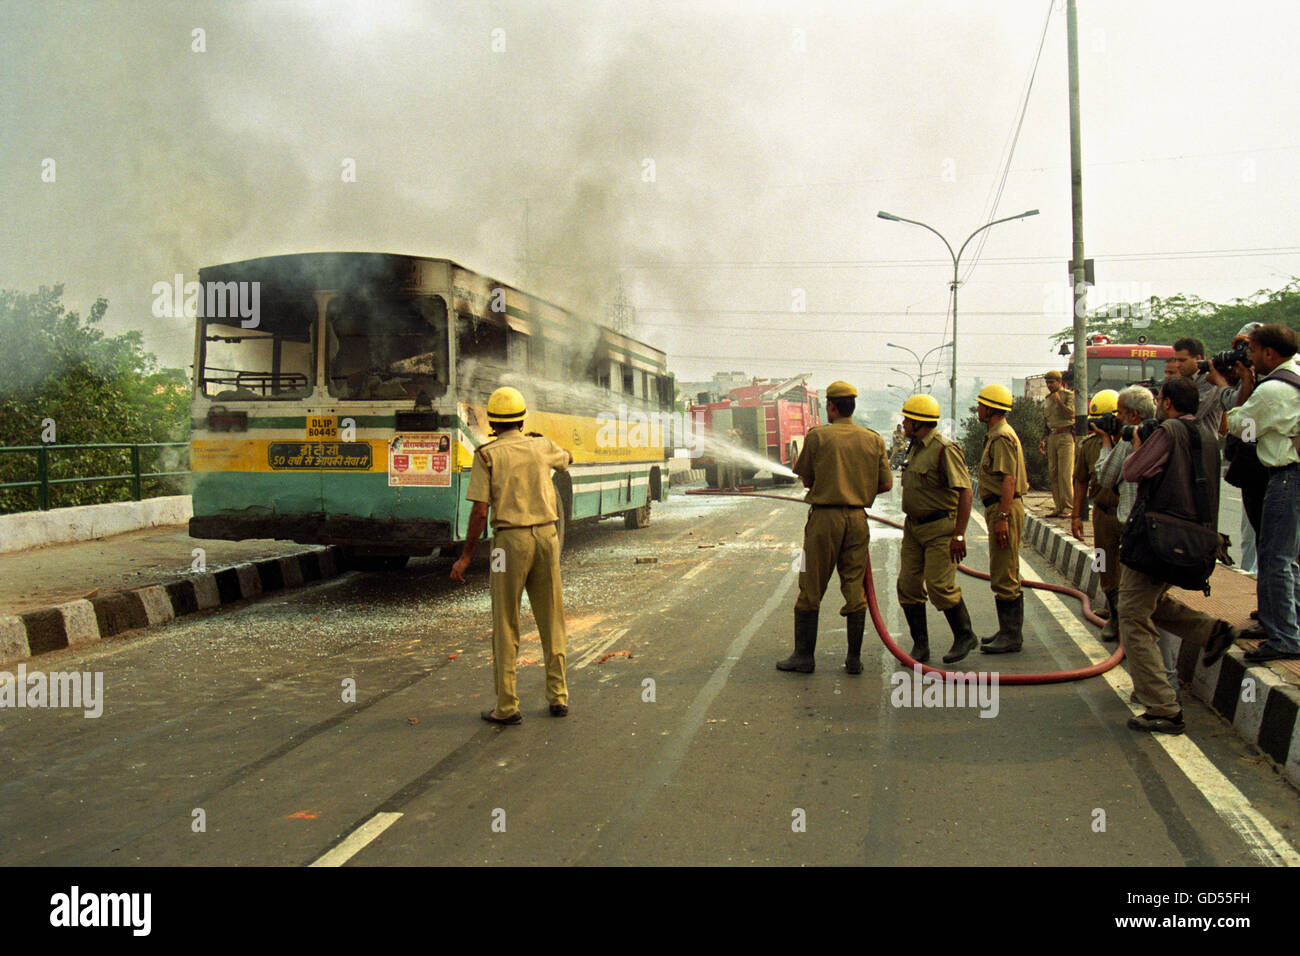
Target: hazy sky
775, 132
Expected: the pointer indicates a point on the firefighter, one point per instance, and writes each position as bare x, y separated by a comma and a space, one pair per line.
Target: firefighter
936, 500
512, 475
1105, 501
843, 466
1058, 442
1002, 481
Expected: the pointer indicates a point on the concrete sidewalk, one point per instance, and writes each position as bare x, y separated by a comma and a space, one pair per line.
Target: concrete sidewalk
1262, 701
68, 594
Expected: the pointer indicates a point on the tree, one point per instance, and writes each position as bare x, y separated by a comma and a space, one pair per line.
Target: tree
1026, 419
56, 367
1183, 315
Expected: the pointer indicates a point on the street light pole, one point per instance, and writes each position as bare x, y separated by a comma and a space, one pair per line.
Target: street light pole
920, 361
956, 260
916, 382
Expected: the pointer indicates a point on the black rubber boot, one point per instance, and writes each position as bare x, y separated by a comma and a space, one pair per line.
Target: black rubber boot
1011, 615
963, 634
915, 614
805, 643
1110, 633
856, 624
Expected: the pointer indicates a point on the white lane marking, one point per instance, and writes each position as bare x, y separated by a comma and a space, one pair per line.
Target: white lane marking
695, 570
358, 839
776, 510
670, 758
595, 652
1260, 836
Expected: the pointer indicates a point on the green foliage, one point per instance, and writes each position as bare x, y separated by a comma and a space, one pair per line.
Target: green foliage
97, 388
1182, 315
1026, 418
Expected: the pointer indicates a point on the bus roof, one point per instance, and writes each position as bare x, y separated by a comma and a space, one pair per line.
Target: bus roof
400, 271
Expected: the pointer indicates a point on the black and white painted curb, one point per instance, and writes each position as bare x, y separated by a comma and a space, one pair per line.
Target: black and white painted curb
1262, 706
24, 636
1067, 554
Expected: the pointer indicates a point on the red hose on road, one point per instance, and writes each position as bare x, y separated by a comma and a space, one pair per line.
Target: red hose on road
1056, 677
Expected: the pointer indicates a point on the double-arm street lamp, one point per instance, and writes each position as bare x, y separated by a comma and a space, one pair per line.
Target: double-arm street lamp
956, 258
920, 360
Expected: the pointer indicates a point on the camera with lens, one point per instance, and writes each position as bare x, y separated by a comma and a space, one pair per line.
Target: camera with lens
1227, 360
1108, 422
1144, 431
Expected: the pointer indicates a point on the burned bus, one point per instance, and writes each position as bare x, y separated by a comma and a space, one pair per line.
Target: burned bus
346, 411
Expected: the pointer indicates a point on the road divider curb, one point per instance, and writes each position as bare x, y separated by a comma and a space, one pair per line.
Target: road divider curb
1265, 712
28, 635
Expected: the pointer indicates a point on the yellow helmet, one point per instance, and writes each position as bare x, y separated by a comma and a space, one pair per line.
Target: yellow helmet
1107, 400
506, 405
922, 408
997, 397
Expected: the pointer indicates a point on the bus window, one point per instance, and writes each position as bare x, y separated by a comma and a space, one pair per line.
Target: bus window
1116, 373
272, 361
383, 349
480, 356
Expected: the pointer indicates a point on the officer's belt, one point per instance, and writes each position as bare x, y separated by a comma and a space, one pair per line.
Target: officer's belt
992, 500
1064, 429
858, 507
935, 516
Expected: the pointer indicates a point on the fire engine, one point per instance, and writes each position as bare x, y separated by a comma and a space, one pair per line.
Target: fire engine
765, 421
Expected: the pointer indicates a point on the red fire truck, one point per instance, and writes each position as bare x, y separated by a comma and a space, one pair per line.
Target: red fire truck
766, 421
1115, 366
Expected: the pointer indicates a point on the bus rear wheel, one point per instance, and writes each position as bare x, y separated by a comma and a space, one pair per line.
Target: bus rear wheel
637, 517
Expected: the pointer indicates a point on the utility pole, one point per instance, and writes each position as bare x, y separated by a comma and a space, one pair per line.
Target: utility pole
1080, 290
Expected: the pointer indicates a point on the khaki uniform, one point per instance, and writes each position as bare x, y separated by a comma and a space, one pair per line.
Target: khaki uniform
847, 465
1060, 447
513, 475
1144, 606
1003, 456
933, 476
1105, 525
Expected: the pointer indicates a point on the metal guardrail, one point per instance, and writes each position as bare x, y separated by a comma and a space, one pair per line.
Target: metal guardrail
43, 480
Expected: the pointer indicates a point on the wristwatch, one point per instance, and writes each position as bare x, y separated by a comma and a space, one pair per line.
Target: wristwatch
1005, 514
959, 537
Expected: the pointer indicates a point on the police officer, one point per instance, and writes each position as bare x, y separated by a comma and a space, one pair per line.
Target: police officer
1002, 481
1105, 501
936, 500
843, 466
512, 474
1058, 442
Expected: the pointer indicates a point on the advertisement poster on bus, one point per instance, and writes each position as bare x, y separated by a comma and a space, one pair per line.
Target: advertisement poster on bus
420, 459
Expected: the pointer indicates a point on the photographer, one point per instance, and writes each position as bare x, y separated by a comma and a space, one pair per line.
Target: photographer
1269, 416
1189, 360
1136, 409
1177, 466
1103, 428
1232, 370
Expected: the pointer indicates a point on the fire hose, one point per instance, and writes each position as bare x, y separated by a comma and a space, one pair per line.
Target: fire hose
877, 619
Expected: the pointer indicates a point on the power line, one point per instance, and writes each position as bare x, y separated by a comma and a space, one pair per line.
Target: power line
926, 263
1011, 150
754, 359
894, 314
820, 330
